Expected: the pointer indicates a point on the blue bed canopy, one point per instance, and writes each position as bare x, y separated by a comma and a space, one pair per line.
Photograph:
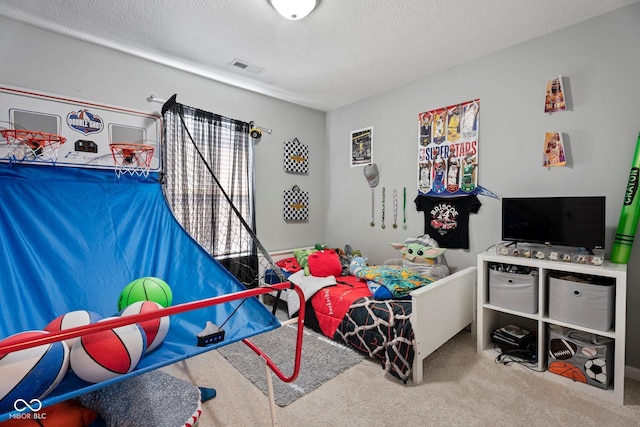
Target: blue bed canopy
72, 238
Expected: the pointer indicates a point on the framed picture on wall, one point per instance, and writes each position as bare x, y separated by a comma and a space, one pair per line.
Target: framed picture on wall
361, 147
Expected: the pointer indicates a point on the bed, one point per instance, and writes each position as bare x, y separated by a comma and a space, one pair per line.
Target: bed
400, 334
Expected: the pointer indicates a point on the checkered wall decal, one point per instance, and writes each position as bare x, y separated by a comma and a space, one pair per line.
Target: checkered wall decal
296, 204
296, 157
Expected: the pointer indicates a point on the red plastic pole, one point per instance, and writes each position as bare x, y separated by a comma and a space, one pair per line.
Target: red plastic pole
136, 318
296, 366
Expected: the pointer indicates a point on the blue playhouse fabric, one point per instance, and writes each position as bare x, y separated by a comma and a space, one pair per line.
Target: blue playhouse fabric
73, 238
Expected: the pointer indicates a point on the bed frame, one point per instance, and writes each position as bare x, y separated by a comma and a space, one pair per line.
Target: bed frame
448, 303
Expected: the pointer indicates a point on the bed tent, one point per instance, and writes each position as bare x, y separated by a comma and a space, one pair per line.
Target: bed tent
73, 238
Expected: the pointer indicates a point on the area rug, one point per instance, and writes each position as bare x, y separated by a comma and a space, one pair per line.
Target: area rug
322, 360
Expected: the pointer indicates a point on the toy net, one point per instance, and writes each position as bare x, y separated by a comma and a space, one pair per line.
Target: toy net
131, 158
204, 205
31, 145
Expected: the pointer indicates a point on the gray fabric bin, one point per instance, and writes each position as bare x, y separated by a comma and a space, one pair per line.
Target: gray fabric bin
575, 301
518, 292
592, 355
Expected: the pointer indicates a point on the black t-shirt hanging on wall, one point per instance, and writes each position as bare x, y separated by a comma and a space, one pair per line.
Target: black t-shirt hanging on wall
446, 219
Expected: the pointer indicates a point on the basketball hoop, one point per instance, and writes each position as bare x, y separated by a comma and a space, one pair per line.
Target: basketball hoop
131, 158
31, 144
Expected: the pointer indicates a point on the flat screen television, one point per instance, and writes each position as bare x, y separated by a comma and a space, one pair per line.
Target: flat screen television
563, 221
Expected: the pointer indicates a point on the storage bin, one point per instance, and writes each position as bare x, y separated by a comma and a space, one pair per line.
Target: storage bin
582, 302
514, 291
581, 356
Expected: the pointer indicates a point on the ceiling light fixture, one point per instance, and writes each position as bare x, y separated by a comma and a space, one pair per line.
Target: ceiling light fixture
294, 9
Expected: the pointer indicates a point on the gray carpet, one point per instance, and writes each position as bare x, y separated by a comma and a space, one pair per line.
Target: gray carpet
138, 401
322, 360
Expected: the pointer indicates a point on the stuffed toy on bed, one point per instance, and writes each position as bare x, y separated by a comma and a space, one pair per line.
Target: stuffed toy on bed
422, 254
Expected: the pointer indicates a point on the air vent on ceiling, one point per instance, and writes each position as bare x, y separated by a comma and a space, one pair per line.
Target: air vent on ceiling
245, 66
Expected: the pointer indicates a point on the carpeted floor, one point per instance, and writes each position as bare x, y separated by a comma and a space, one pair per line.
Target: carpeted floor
461, 388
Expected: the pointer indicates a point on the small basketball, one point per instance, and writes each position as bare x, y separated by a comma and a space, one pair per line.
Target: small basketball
146, 289
568, 370
154, 329
31, 373
105, 355
70, 320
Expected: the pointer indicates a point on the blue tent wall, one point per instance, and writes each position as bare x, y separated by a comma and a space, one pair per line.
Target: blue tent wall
73, 238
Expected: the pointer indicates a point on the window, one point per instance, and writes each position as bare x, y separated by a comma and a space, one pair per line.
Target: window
208, 179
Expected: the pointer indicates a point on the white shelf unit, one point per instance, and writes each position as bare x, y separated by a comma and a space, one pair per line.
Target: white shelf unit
490, 317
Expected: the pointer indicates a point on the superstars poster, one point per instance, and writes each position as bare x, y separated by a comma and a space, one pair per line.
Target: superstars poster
448, 150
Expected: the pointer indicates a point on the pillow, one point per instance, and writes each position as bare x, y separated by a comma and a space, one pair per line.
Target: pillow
324, 263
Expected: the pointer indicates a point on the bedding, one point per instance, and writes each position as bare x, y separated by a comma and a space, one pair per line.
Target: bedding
400, 281
348, 313
370, 307
344, 309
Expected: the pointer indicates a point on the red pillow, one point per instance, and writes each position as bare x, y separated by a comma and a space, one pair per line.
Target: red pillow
324, 263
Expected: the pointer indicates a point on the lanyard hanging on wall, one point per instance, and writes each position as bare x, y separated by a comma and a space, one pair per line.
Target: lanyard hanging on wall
383, 226
404, 209
373, 209
395, 208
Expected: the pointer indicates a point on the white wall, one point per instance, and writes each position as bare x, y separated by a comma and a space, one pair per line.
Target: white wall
64, 66
602, 67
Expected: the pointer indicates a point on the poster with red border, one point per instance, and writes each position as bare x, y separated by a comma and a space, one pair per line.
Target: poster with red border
448, 150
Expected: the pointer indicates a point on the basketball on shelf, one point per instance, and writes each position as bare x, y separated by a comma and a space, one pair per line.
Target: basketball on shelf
70, 320
31, 373
101, 356
154, 329
146, 289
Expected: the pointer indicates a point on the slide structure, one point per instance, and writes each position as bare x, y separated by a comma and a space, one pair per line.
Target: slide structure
73, 238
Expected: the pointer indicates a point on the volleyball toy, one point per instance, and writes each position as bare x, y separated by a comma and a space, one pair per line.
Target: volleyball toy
31, 373
156, 329
104, 355
146, 289
70, 320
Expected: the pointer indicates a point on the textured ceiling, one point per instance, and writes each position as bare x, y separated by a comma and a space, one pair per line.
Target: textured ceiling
344, 51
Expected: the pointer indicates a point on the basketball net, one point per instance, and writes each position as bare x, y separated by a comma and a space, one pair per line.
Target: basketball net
31, 145
134, 159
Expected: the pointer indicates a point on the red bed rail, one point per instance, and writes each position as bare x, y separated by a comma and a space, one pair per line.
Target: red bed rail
179, 308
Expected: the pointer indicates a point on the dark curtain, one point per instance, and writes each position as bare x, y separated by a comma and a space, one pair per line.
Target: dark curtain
208, 181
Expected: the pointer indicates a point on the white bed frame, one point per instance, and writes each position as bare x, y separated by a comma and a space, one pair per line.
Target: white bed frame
439, 311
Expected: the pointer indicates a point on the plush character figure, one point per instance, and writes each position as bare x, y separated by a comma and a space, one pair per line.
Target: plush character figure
423, 255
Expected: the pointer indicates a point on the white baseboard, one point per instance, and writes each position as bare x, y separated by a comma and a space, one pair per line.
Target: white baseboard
632, 373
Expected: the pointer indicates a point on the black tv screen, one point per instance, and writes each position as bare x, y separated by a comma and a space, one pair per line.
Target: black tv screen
564, 221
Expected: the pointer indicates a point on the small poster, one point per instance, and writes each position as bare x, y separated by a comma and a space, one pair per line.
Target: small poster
362, 147
554, 96
554, 154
